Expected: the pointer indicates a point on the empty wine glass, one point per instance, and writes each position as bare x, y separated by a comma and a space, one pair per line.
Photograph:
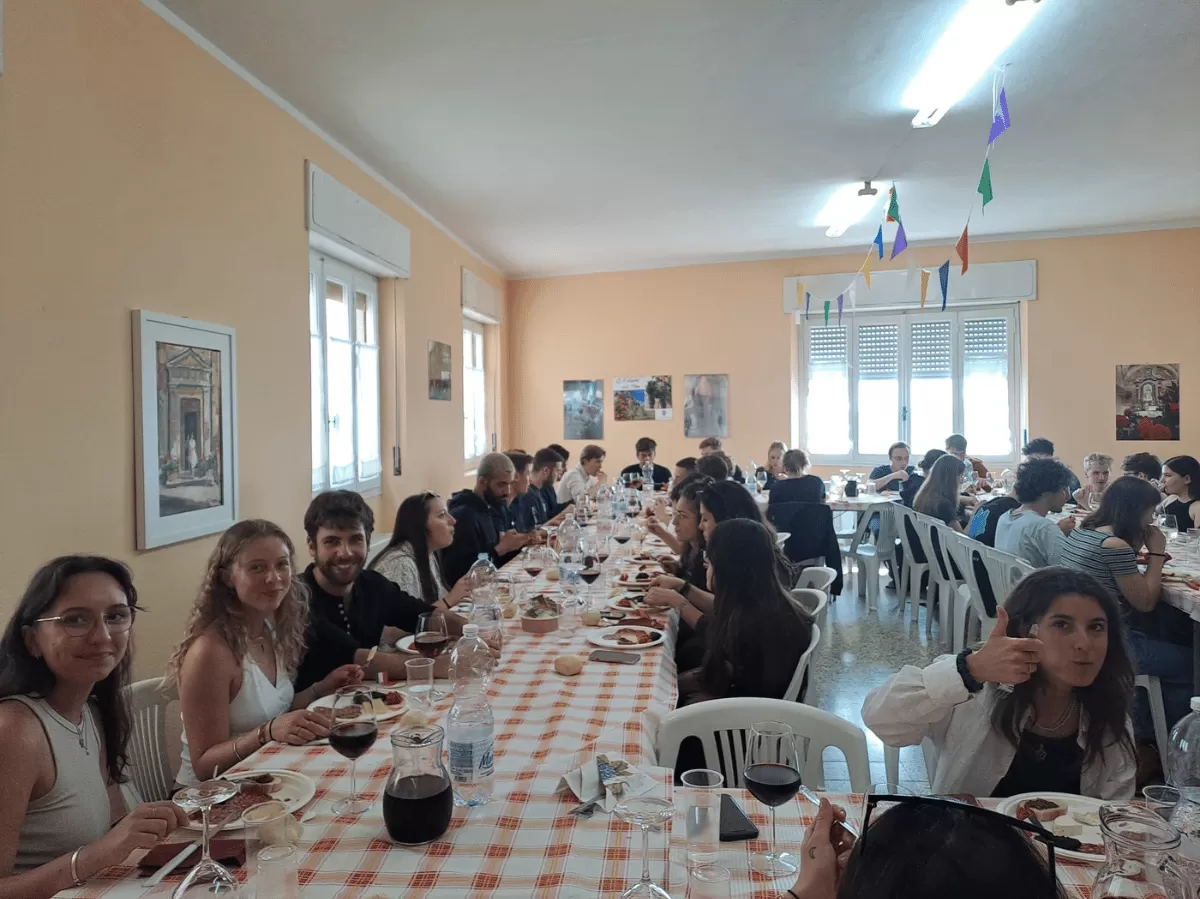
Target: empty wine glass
216, 877
353, 732
760, 478
772, 776
646, 813
1168, 525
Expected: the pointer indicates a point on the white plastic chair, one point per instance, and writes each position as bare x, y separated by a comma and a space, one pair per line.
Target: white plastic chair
1158, 710
723, 726
149, 759
955, 601
891, 762
819, 577
978, 623
909, 584
793, 691
814, 602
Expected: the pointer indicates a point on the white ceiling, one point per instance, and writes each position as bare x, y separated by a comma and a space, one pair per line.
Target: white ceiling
557, 136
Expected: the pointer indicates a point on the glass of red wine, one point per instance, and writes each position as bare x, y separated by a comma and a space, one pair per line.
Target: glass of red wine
353, 732
432, 638
772, 776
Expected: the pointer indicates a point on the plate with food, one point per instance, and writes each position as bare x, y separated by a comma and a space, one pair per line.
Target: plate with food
624, 636
291, 788
386, 704
1064, 814
635, 579
628, 602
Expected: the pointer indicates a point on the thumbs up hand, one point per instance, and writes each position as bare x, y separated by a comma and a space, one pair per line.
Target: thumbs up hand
1004, 659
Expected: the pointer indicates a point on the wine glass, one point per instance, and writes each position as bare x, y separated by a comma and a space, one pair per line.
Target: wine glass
202, 797
1168, 525
646, 813
432, 637
353, 732
772, 776
760, 478
591, 564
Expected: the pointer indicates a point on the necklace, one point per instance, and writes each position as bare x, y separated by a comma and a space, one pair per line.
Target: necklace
79, 731
1062, 720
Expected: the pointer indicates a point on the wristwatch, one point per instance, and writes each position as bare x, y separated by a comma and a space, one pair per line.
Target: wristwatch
968, 679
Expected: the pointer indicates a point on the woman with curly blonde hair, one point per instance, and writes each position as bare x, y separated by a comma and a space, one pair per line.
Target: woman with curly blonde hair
244, 642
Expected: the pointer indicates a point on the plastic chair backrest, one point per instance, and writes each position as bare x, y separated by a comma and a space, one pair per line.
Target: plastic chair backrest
909, 539
813, 601
816, 578
149, 760
723, 725
793, 690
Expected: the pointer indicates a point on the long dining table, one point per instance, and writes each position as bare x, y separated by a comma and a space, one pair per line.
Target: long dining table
524, 842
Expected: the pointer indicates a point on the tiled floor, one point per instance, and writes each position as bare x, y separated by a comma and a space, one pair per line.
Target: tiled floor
860, 651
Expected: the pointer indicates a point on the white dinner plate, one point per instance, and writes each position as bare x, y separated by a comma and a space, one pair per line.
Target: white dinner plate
604, 637
614, 603
325, 703
405, 644
294, 792
1090, 834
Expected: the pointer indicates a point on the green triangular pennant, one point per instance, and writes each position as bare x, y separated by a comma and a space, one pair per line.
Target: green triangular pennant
827, 313
985, 183
893, 213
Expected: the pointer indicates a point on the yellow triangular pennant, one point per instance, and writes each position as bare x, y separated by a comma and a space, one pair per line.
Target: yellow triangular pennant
924, 286
866, 271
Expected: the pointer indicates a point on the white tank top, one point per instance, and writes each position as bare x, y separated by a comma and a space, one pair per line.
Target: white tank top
76, 810
257, 701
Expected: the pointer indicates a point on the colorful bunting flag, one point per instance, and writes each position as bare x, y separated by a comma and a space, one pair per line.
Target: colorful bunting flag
866, 270
944, 278
827, 313
839, 307
900, 244
1000, 119
893, 213
961, 248
879, 241
799, 291
924, 286
985, 183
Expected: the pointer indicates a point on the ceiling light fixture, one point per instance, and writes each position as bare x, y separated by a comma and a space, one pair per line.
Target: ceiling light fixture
848, 204
971, 43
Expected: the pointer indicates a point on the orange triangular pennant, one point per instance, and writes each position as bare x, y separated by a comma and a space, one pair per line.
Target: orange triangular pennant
961, 249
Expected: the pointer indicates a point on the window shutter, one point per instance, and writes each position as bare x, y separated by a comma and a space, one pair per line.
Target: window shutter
827, 348
930, 349
878, 352
985, 345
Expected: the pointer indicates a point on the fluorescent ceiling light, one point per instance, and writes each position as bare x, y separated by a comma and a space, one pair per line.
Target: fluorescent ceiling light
970, 45
848, 204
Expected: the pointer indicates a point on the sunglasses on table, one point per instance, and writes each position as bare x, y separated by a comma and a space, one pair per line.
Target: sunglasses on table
1049, 839
80, 622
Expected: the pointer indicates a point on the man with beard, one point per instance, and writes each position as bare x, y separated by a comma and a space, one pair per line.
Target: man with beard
475, 530
353, 609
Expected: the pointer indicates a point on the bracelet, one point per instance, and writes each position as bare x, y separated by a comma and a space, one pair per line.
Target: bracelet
237, 755
270, 724
75, 867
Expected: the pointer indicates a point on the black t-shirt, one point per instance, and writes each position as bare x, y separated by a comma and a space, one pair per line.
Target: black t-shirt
1043, 765
662, 474
337, 629
806, 489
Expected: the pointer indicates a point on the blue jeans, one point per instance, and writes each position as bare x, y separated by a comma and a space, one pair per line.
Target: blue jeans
1172, 665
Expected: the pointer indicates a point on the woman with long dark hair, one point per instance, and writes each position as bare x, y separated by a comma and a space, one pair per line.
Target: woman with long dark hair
1106, 546
240, 653
1181, 484
412, 559
940, 495
756, 634
1042, 709
64, 669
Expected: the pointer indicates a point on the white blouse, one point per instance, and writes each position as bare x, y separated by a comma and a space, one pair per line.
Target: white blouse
399, 565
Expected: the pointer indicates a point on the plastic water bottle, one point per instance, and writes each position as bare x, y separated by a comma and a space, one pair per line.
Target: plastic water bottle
481, 575
1182, 766
569, 534
470, 729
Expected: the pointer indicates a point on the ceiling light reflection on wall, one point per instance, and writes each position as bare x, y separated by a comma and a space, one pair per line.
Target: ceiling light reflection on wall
848, 204
970, 45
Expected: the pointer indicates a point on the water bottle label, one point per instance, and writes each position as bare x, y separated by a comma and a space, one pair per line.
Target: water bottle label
470, 762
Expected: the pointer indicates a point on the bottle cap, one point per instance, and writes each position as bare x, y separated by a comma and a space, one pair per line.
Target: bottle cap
1196, 703
482, 557
470, 630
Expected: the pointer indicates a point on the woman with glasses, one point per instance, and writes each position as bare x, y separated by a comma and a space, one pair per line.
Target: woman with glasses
243, 644
412, 559
64, 713
1043, 705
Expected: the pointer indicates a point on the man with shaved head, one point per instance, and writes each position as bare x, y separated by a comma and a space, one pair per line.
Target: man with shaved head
475, 529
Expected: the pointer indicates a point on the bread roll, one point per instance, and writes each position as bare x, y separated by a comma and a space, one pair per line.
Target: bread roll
568, 666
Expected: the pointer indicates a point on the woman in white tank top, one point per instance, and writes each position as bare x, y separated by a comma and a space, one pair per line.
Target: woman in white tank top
243, 644
64, 669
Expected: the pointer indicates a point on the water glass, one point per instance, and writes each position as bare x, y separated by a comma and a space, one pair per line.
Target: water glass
420, 682
268, 824
278, 872
710, 882
702, 814
1168, 525
1162, 800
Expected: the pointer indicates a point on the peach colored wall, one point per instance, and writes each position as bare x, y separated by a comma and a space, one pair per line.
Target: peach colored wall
1125, 298
138, 172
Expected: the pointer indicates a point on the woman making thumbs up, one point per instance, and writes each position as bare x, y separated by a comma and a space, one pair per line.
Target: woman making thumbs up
1042, 706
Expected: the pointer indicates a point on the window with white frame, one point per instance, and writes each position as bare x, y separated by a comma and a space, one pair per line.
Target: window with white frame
475, 425
918, 377
343, 315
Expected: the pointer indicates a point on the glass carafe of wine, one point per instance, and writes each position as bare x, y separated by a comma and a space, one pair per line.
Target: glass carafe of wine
1138, 856
418, 801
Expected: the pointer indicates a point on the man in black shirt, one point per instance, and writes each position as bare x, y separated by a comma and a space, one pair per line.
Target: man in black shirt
646, 449
350, 607
507, 517
475, 529
538, 505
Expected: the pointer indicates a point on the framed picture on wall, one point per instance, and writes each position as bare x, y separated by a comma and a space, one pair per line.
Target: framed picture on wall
642, 399
583, 410
1148, 401
185, 420
439, 370
706, 405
